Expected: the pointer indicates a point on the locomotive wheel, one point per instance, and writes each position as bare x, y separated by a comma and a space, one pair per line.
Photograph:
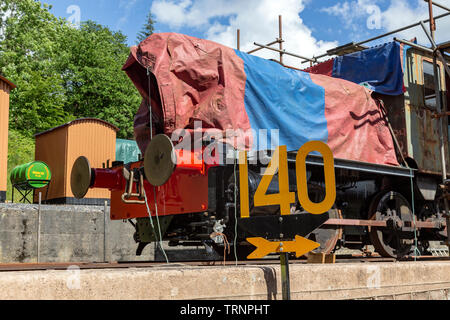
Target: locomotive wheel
394, 240
327, 235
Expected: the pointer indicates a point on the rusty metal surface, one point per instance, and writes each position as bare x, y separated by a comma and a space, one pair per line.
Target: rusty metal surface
424, 139
394, 106
414, 124
376, 223
444, 46
329, 235
421, 125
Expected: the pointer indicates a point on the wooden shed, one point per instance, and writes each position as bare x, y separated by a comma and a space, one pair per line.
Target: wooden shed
5, 88
61, 146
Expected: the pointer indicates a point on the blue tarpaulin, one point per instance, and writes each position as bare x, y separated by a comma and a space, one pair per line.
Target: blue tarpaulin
378, 68
127, 150
303, 107
285, 99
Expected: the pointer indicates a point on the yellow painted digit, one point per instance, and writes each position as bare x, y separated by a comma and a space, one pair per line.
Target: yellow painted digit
330, 182
243, 184
284, 198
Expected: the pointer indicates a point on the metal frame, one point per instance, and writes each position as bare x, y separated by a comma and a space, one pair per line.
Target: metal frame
24, 186
388, 33
24, 194
317, 160
362, 166
333, 51
279, 40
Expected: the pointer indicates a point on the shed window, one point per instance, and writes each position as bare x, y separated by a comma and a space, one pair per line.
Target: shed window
428, 81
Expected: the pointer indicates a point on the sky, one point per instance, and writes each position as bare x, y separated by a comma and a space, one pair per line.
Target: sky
310, 27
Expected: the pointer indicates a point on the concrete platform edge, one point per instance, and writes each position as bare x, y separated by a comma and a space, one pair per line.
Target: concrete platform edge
401, 280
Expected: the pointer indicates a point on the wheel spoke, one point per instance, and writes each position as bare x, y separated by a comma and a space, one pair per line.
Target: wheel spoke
389, 237
388, 241
327, 236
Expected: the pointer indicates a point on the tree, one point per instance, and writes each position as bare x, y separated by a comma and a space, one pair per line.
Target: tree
21, 150
61, 72
148, 28
94, 82
28, 50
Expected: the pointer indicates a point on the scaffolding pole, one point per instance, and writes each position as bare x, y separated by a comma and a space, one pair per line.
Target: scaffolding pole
386, 34
439, 5
414, 45
282, 51
280, 36
264, 46
238, 40
280, 41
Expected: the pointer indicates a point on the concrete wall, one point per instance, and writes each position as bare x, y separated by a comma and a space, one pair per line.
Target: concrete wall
405, 281
68, 234
75, 233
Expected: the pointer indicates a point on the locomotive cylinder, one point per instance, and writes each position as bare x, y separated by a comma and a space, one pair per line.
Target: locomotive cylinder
106, 178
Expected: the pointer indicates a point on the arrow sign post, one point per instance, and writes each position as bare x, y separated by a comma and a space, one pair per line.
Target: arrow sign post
288, 225
264, 247
285, 281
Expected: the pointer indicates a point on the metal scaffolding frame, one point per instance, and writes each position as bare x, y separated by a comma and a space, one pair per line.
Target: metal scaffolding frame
353, 46
435, 51
279, 40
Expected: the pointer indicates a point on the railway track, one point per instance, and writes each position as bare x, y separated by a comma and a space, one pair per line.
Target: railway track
217, 263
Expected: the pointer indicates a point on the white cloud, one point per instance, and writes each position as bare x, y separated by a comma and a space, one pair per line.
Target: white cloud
127, 7
357, 17
349, 11
402, 13
257, 20
127, 4
399, 13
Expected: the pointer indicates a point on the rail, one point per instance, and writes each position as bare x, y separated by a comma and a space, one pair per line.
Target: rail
271, 260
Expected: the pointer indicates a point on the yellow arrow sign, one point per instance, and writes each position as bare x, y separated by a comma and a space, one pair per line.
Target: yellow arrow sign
264, 247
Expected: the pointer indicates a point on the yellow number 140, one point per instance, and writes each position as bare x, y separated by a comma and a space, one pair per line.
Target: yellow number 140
285, 198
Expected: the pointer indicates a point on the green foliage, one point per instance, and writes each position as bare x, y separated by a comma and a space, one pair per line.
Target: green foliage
27, 57
21, 149
94, 84
63, 73
148, 28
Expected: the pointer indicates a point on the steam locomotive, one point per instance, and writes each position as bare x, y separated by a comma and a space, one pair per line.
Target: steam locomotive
212, 120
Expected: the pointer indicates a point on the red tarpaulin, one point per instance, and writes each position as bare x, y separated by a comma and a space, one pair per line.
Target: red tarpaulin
195, 79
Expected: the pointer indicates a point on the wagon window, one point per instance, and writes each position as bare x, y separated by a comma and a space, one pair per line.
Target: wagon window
428, 83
